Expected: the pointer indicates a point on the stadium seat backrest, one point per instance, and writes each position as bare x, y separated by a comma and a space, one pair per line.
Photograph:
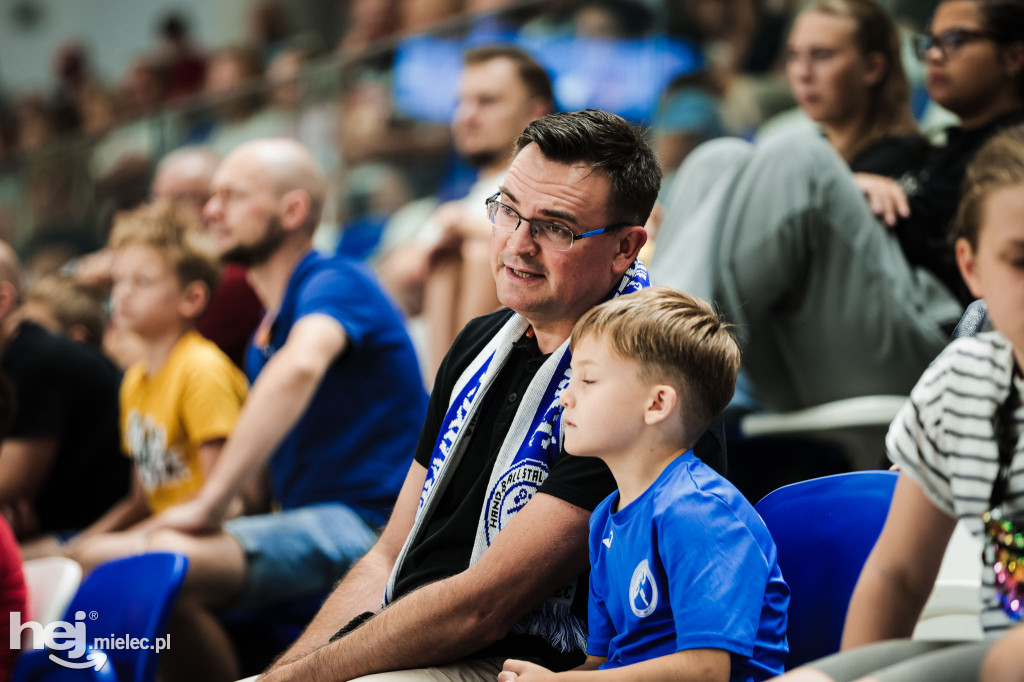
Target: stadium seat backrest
824, 529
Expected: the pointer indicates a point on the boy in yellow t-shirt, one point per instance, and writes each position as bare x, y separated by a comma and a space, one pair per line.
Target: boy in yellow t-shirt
180, 401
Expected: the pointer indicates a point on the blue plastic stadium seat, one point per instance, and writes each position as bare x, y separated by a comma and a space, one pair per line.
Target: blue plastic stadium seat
127, 598
824, 529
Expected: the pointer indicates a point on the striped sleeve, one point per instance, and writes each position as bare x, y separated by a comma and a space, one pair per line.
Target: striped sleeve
914, 438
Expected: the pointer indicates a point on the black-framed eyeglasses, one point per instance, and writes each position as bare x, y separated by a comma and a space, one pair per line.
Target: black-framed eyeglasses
947, 42
558, 237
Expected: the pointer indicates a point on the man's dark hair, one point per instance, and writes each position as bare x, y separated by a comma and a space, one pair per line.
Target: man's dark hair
606, 144
533, 75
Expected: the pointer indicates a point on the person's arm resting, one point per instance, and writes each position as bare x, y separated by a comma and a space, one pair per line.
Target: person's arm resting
276, 401
541, 549
691, 665
901, 569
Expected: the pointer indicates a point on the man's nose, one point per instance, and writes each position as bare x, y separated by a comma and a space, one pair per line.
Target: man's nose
522, 241
210, 208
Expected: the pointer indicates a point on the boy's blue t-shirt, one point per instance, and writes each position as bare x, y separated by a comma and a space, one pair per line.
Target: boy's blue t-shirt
355, 441
687, 565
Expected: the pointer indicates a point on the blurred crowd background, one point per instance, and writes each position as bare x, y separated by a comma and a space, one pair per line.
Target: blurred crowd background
370, 87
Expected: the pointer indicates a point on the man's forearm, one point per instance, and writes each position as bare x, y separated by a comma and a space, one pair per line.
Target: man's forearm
361, 590
439, 623
277, 401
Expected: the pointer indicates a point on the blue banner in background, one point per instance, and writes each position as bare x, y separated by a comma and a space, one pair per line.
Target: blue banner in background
625, 77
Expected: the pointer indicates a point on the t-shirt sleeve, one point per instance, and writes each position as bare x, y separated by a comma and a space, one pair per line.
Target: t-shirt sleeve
600, 629
344, 296
914, 435
212, 399
717, 574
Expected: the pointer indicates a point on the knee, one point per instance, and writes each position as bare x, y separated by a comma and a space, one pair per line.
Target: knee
168, 540
797, 150
1004, 661
718, 153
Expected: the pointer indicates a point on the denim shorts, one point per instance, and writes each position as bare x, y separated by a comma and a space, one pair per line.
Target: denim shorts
297, 553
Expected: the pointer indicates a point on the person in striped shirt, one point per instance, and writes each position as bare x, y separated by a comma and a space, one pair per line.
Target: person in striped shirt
945, 442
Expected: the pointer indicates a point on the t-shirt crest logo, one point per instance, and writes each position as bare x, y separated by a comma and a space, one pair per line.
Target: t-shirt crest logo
643, 592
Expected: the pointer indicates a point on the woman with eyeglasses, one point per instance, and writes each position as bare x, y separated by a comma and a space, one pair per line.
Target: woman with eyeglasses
974, 55
844, 283
844, 68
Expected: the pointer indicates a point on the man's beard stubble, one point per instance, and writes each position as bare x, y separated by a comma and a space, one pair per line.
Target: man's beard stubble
484, 158
260, 251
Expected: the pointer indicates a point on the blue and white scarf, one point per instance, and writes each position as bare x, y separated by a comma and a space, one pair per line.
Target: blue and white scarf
531, 447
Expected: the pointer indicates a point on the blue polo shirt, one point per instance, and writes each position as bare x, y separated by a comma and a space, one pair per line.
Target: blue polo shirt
687, 565
355, 441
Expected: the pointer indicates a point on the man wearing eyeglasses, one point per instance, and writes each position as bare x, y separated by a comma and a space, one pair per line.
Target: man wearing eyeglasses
485, 554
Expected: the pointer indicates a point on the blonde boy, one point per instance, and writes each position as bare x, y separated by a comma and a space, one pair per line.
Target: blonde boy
180, 401
684, 584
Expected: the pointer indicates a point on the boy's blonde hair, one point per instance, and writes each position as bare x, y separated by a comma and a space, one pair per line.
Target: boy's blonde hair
169, 229
678, 340
71, 304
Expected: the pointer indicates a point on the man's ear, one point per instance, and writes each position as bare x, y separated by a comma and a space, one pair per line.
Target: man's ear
630, 240
967, 263
295, 207
661, 404
539, 108
193, 300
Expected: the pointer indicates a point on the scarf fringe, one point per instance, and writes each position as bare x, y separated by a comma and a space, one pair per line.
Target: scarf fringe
554, 623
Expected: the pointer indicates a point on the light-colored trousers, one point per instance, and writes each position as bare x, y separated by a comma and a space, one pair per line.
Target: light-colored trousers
783, 241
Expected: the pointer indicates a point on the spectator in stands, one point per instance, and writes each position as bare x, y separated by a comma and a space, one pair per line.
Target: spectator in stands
830, 303
62, 306
232, 84
844, 66
957, 443
180, 401
183, 177
61, 465
182, 64
335, 406
473, 565
684, 582
501, 90
313, 122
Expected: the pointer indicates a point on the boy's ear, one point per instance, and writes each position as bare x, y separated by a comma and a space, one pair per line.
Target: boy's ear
193, 300
661, 405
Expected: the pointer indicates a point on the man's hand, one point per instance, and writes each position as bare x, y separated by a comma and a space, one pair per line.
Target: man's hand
522, 671
887, 199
